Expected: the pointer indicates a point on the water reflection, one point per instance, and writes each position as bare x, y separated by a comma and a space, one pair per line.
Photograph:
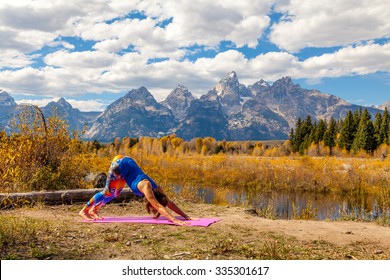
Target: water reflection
284, 205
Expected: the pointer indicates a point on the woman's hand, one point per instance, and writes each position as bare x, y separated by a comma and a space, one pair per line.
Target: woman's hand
179, 222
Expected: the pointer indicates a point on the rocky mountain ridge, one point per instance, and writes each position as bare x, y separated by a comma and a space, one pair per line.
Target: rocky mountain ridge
229, 111
7, 108
133, 115
76, 119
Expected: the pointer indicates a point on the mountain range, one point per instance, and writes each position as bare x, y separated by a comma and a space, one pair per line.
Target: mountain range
228, 111
74, 117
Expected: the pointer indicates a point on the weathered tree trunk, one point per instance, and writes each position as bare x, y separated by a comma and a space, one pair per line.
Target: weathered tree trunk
58, 197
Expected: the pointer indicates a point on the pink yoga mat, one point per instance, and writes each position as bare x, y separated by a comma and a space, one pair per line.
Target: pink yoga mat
202, 222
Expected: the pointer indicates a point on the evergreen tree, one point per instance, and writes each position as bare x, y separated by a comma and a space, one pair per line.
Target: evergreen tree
313, 133
339, 124
348, 131
357, 131
330, 134
320, 131
306, 131
356, 117
385, 128
365, 135
291, 136
300, 140
378, 127
296, 138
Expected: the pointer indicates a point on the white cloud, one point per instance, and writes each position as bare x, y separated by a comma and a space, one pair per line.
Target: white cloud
38, 102
361, 60
44, 16
77, 60
201, 23
16, 59
330, 23
87, 105
63, 44
242, 22
30, 25
243, 34
145, 38
273, 65
23, 41
114, 73
26, 80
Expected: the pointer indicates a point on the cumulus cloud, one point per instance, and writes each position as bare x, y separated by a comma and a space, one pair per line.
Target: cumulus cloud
35, 24
38, 102
88, 105
15, 59
30, 25
273, 65
153, 48
142, 36
37, 15
118, 73
329, 23
361, 60
60, 44
243, 24
77, 60
23, 41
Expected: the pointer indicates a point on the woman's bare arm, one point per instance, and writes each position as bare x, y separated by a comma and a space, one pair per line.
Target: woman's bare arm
146, 189
171, 205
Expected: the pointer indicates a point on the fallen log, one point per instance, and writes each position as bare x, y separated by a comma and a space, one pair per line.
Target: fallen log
58, 197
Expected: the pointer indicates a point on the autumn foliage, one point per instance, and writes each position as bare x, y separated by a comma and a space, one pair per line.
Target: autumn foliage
40, 154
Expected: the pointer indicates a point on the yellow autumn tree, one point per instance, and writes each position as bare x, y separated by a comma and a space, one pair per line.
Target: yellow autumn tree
41, 154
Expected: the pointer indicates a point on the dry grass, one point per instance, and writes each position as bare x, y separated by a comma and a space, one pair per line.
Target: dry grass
44, 232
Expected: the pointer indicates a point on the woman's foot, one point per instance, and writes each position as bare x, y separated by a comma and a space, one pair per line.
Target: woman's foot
85, 215
93, 213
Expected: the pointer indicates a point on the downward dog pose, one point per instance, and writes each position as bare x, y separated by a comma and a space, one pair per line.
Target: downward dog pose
125, 170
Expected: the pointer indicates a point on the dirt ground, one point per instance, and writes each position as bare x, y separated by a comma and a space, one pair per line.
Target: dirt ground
57, 232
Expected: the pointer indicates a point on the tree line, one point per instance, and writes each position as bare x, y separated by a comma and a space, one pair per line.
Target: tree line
173, 145
356, 132
355, 135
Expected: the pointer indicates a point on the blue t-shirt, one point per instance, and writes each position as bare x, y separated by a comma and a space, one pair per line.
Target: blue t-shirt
133, 174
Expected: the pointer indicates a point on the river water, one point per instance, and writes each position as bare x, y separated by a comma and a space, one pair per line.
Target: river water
285, 205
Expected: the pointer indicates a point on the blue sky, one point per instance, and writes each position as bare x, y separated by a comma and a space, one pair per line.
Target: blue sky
93, 52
